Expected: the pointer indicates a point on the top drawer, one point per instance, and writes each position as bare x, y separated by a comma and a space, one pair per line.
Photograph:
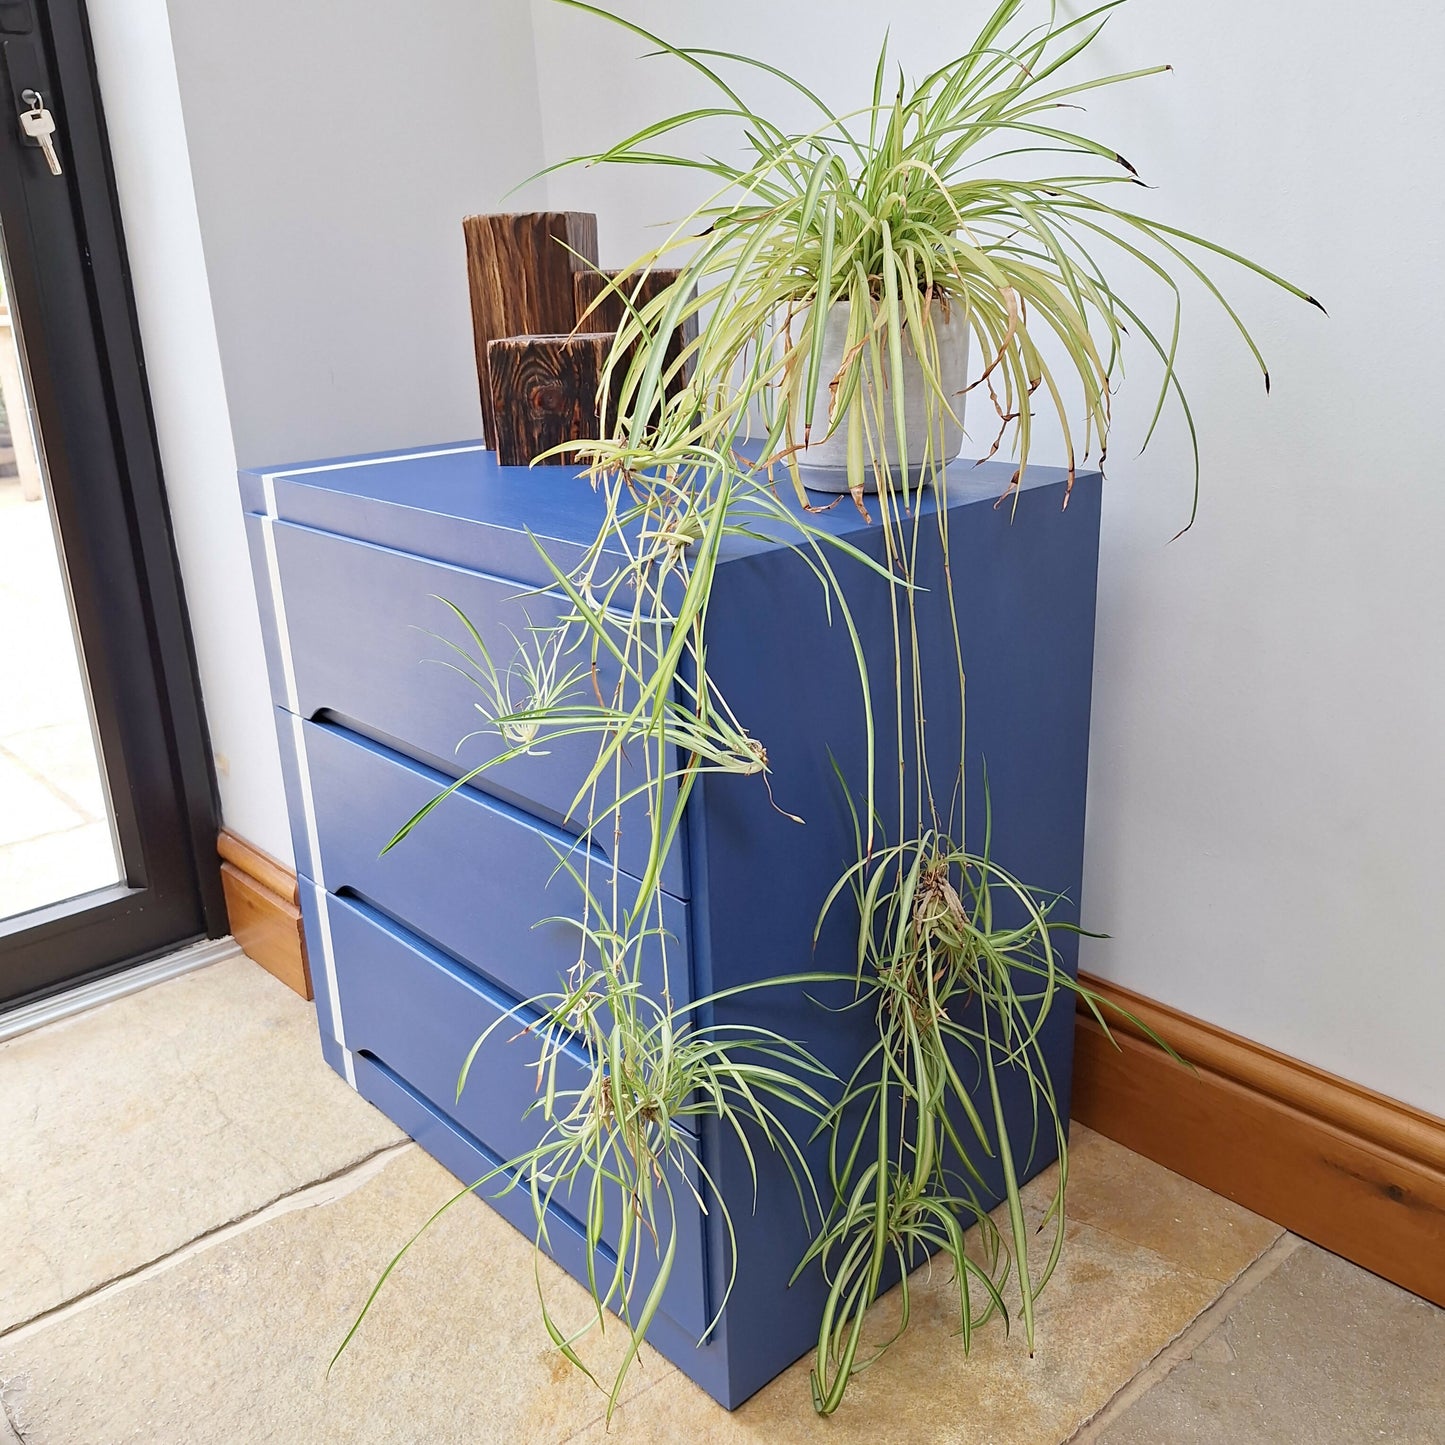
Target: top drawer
371, 643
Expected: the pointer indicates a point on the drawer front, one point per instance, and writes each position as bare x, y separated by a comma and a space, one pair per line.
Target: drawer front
418, 1013
476, 877
371, 643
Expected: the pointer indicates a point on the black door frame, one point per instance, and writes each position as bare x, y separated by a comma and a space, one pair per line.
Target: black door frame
71, 297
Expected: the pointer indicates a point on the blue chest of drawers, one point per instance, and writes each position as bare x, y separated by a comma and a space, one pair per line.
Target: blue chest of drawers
414, 953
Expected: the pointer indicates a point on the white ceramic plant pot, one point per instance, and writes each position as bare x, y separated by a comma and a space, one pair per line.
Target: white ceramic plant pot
825, 459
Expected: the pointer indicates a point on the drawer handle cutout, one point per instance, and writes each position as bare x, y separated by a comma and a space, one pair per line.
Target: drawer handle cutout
526, 1016
479, 790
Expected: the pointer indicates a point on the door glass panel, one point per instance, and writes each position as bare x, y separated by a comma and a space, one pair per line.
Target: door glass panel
57, 836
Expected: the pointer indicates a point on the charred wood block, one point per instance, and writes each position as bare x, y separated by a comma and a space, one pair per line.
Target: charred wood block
599, 309
519, 270
544, 392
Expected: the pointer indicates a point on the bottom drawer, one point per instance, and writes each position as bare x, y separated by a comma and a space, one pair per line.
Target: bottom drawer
417, 1012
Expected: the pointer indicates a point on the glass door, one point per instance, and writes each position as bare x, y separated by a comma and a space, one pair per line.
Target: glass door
107, 814
57, 825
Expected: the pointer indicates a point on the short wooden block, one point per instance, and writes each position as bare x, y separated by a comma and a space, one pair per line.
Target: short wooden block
599, 309
544, 392
519, 271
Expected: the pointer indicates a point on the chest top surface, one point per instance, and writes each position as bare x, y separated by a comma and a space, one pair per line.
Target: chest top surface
455, 503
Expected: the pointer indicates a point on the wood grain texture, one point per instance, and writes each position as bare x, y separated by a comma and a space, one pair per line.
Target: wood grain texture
544, 393
269, 872
262, 908
602, 309
519, 273
1356, 1172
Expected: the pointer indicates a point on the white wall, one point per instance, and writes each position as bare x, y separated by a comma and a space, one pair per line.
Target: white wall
198, 457
1267, 795
292, 178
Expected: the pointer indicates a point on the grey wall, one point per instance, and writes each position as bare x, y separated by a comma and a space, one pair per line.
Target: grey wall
335, 145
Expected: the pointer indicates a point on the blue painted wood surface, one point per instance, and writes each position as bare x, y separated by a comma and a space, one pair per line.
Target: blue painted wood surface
1025, 590
1024, 581
418, 1013
374, 645
468, 1159
504, 902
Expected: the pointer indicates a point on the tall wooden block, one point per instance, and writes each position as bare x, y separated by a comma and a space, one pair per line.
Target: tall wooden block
519, 270
599, 309
544, 392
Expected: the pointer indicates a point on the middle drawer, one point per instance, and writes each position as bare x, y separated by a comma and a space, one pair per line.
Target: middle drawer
477, 877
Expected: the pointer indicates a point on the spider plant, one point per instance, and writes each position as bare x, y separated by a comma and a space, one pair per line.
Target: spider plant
903, 209
924, 199
921, 194
522, 689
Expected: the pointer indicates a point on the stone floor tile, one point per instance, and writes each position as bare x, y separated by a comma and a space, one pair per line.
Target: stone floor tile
38, 659
230, 1345
1128, 1195
1110, 1307
28, 809
58, 866
1321, 1353
132, 1129
64, 755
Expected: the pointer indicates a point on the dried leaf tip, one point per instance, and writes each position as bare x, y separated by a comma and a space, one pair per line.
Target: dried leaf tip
1315, 303
1125, 164
1266, 383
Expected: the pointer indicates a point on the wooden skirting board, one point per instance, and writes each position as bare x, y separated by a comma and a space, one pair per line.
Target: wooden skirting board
1357, 1173
261, 903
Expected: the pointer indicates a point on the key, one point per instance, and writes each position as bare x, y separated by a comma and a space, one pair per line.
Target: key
39, 124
